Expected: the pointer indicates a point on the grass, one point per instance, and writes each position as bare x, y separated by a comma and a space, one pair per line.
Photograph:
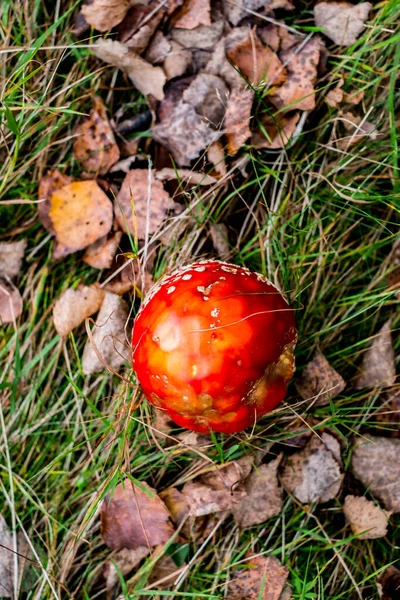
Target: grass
320, 220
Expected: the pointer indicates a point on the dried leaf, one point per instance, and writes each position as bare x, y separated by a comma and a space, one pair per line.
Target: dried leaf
6, 561
136, 210
109, 337
389, 581
358, 128
220, 239
237, 118
177, 61
134, 516
203, 37
10, 301
376, 464
77, 214
378, 364
320, 381
147, 78
353, 97
238, 10
313, 474
49, 183
342, 22
105, 14
123, 562
279, 130
177, 505
95, 145
11, 255
162, 423
185, 175
389, 415
130, 278
74, 306
264, 496
365, 516
203, 500
158, 49
101, 254
193, 13
301, 65
261, 578
164, 571
216, 156
140, 24
335, 96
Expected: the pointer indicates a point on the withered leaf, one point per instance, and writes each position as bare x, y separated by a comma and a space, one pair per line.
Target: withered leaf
366, 519
101, 254
77, 214
143, 203
378, 363
110, 335
95, 145
342, 22
354, 97
193, 13
279, 130
264, 496
203, 37
49, 183
301, 64
6, 561
376, 464
11, 255
204, 500
314, 474
130, 278
261, 578
134, 516
320, 381
216, 156
164, 572
177, 61
220, 239
123, 562
237, 118
389, 581
147, 78
10, 301
105, 14
335, 96
140, 24
238, 10
185, 175
389, 415
357, 128
75, 305
158, 48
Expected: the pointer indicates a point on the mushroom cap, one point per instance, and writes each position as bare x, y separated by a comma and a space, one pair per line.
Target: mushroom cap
213, 346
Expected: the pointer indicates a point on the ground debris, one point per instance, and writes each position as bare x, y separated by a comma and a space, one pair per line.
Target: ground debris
260, 578
11, 255
7, 564
75, 305
388, 416
389, 582
342, 22
123, 562
375, 462
133, 516
10, 301
357, 127
275, 132
101, 254
366, 519
105, 14
378, 363
319, 381
193, 13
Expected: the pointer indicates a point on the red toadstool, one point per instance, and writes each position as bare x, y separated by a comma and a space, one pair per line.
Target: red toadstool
213, 346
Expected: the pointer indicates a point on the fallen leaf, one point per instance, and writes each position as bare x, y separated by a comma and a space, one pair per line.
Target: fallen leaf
140, 24
237, 10
142, 203
10, 301
123, 562
365, 516
389, 582
74, 306
264, 496
77, 214
279, 130
158, 48
287, 593
393, 277
177, 505
314, 474
335, 96
389, 415
11, 255
105, 14
342, 22
301, 62
375, 462
109, 337
95, 145
177, 61
6, 561
164, 572
193, 13
203, 37
216, 156
147, 78
162, 423
101, 254
353, 97
220, 239
378, 363
49, 183
203, 500
358, 128
320, 381
184, 175
237, 118
134, 516
261, 578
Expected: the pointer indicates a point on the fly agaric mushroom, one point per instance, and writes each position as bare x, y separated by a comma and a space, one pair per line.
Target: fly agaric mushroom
213, 346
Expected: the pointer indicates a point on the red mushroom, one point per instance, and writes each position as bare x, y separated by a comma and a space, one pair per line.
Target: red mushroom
213, 346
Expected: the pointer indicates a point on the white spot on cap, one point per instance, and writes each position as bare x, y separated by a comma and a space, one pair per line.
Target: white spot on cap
200, 269
187, 276
215, 312
171, 289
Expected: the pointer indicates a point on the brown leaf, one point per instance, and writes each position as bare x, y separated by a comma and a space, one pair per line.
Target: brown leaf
203, 500
203, 37
10, 301
335, 96
140, 24
237, 118
389, 415
264, 496
279, 130
177, 61
158, 49
164, 571
320, 381
313, 474
185, 175
147, 78
342, 22
177, 505
261, 578
378, 363
216, 156
105, 14
193, 13
358, 129
52, 181
365, 516
123, 562
77, 214
11, 255
162, 424
74, 306
220, 239
301, 65
376, 464
389, 581
109, 337
101, 254
238, 10
135, 212
134, 516
95, 145
7, 549
354, 97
